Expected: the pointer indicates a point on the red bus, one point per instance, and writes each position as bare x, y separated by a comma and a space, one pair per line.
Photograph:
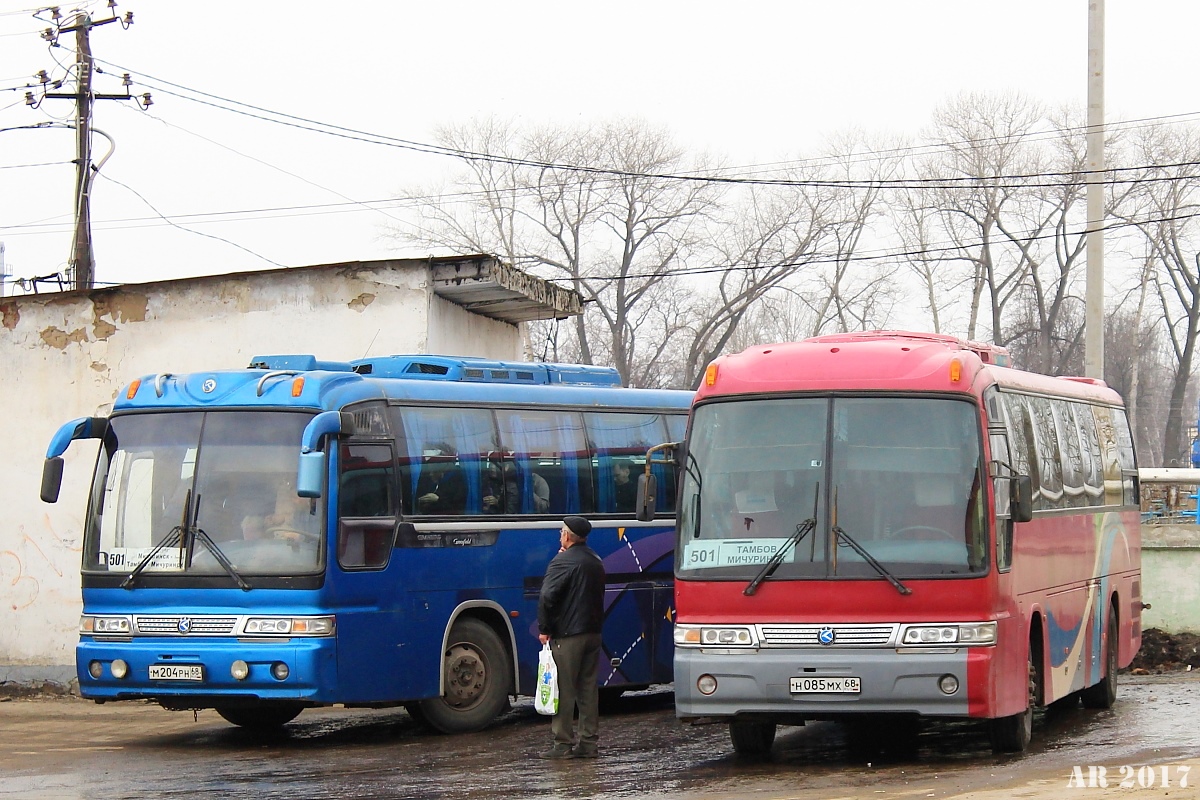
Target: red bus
898, 524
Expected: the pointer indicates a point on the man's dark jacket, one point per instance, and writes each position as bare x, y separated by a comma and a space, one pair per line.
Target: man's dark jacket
572, 598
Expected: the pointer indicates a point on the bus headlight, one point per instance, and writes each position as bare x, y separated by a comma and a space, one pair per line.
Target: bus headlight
105, 626
714, 636
953, 633
240, 670
289, 626
119, 668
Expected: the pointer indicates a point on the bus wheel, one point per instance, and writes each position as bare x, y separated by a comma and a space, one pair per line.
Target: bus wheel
477, 675
1012, 734
1104, 693
752, 738
609, 699
261, 718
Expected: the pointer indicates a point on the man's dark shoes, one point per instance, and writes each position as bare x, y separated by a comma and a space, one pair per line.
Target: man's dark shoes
559, 750
584, 751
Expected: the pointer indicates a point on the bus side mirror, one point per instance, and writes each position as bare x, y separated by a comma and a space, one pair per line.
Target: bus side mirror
52, 472
1021, 507
310, 476
647, 488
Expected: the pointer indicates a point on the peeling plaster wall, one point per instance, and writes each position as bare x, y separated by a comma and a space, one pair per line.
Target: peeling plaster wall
66, 355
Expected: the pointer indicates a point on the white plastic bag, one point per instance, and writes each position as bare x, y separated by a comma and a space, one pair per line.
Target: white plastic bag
546, 699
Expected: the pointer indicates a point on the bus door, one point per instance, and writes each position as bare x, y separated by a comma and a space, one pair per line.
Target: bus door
363, 583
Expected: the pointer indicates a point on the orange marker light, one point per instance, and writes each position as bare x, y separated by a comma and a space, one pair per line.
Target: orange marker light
133, 387
955, 370
297, 386
710, 375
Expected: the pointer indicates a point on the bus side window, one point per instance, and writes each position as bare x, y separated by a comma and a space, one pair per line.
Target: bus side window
1002, 491
444, 456
553, 463
620, 442
366, 506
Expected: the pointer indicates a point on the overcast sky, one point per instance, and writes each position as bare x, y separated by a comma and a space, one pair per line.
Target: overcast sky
753, 82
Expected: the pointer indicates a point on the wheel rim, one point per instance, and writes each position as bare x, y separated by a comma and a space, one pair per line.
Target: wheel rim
466, 676
1111, 646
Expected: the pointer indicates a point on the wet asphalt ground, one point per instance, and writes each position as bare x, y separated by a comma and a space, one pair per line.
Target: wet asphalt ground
71, 748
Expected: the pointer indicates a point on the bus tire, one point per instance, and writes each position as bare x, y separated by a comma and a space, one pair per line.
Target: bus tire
1012, 734
752, 738
1104, 693
261, 718
477, 674
609, 699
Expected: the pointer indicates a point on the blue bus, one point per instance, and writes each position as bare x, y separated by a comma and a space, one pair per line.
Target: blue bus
370, 533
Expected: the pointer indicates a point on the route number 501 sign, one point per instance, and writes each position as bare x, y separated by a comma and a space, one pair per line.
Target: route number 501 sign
730, 552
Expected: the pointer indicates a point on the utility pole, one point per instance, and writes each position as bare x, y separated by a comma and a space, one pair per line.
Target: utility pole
82, 262
1093, 327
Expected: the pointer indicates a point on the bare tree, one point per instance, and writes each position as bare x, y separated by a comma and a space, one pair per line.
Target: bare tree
1137, 366
772, 236
980, 138
1163, 206
587, 207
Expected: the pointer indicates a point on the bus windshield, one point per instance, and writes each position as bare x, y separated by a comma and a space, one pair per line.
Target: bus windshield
237, 470
897, 478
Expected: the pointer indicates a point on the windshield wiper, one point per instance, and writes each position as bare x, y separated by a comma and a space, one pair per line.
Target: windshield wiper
199, 535
185, 535
196, 533
839, 533
174, 537
802, 530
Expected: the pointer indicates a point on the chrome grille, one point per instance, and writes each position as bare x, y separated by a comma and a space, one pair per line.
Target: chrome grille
200, 626
844, 635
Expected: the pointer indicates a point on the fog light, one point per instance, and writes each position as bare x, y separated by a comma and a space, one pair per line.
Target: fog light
948, 684
119, 668
240, 670
280, 671
707, 684
95, 669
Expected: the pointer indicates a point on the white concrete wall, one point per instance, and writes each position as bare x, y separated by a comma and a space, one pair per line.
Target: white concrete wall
65, 355
1171, 577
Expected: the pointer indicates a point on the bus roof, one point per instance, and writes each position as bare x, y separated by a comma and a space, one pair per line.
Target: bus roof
884, 361
305, 382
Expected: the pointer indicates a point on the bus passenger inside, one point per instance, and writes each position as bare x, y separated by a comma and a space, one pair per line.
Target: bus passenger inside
624, 489
444, 493
294, 518
503, 490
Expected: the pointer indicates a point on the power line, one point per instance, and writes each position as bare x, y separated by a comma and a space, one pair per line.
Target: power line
885, 255
1028, 180
189, 230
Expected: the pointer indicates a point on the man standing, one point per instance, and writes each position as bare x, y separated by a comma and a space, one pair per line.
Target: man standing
570, 617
